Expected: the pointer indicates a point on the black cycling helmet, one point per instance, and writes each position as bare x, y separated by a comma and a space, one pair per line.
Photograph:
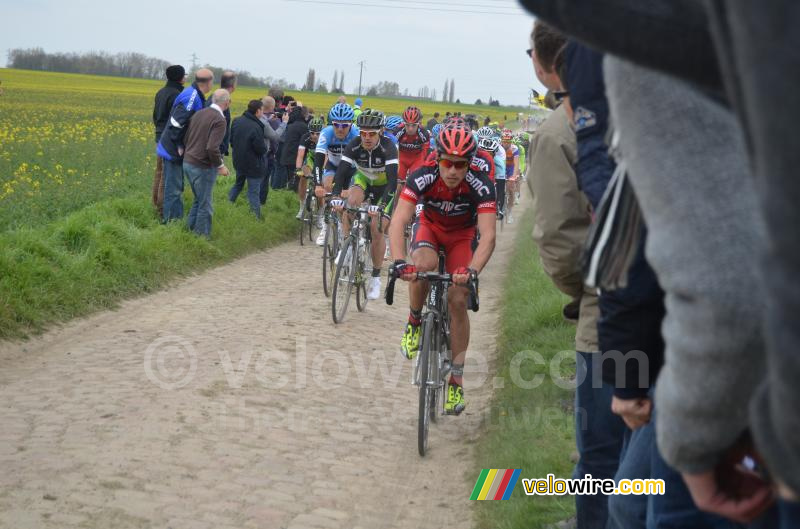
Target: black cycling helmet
316, 125
370, 119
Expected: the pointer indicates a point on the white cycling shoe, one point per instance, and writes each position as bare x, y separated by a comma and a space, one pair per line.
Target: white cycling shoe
374, 288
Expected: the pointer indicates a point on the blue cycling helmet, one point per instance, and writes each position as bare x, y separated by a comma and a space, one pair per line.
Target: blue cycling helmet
394, 122
341, 112
435, 130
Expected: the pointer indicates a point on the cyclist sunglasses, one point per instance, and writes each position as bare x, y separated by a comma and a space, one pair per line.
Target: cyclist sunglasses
450, 163
341, 125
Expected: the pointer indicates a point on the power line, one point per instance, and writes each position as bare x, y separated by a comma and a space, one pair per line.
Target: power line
405, 7
460, 4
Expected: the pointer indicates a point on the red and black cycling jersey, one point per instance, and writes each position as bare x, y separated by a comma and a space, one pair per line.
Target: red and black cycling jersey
412, 145
450, 209
483, 161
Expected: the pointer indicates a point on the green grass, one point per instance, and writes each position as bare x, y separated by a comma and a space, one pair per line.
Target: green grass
94, 257
531, 429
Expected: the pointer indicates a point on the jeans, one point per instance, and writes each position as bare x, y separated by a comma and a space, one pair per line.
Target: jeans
598, 435
789, 513
202, 182
631, 511
673, 510
271, 163
279, 177
173, 190
253, 191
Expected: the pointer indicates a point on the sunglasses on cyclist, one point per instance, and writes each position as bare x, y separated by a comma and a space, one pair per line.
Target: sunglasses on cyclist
341, 125
368, 133
460, 164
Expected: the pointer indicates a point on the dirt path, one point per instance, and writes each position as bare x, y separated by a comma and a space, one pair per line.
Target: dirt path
232, 401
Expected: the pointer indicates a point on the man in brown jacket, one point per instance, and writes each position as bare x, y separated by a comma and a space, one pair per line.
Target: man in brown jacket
202, 160
561, 223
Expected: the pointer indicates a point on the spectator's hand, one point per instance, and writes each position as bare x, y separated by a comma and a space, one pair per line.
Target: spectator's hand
285, 117
180, 151
730, 489
223, 171
635, 412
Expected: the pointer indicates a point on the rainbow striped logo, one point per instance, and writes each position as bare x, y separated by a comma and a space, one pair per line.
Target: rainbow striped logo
495, 484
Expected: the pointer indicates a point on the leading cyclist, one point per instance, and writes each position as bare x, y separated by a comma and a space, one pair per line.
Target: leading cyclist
458, 199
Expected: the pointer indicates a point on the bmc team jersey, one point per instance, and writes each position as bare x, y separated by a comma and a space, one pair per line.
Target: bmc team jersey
483, 161
511, 153
308, 146
329, 144
413, 150
450, 209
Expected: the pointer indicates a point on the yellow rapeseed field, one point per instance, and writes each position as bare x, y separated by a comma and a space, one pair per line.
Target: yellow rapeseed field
67, 141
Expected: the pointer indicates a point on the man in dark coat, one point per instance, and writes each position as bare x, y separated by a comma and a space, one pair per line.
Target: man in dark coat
291, 141
249, 155
176, 75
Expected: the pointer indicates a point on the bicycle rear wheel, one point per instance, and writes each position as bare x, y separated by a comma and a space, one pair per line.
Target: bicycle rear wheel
425, 388
329, 249
344, 279
309, 216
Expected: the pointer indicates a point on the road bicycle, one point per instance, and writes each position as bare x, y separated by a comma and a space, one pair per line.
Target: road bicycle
310, 208
354, 262
330, 246
432, 364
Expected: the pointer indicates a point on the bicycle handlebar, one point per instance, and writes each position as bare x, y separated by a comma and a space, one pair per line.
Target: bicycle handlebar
473, 303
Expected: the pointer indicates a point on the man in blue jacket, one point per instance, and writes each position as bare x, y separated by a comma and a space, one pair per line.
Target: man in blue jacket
170, 146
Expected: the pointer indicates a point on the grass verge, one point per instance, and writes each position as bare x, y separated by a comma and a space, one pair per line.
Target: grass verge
95, 257
530, 428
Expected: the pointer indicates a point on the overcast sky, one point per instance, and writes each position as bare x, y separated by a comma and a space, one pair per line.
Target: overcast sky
412, 44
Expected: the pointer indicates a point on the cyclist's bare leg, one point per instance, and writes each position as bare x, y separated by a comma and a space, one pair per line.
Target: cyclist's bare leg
459, 324
378, 242
354, 199
510, 195
425, 260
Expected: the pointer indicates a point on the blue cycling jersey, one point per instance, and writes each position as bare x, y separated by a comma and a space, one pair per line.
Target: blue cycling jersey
329, 144
500, 164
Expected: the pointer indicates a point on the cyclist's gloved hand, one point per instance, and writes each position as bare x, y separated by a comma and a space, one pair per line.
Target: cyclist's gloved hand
374, 210
337, 203
462, 275
299, 173
403, 270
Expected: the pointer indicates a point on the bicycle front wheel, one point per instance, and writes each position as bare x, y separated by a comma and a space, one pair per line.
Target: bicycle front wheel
426, 390
344, 279
329, 249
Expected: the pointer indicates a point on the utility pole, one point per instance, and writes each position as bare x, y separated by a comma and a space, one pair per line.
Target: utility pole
360, 76
194, 61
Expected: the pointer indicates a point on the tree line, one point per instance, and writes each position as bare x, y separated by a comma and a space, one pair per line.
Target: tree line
125, 64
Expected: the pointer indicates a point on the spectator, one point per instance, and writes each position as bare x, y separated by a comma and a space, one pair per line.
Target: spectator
433, 121
291, 140
170, 146
165, 98
227, 82
357, 108
249, 154
203, 160
561, 222
342, 99
274, 129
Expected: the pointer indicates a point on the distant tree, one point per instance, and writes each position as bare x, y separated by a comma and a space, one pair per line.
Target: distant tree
452, 89
373, 91
494, 103
310, 80
478, 101
322, 88
341, 84
335, 83
445, 91
458, 101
